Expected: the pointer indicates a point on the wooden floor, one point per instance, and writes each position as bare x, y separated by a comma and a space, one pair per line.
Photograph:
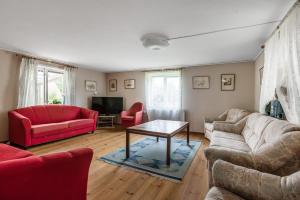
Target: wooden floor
111, 182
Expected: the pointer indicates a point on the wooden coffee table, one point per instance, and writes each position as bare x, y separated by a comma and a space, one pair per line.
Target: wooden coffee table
158, 128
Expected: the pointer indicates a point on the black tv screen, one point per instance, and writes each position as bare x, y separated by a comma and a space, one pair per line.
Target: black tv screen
107, 105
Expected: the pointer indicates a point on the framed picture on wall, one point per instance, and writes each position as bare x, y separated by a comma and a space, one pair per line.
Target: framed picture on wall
90, 86
261, 74
200, 82
227, 82
113, 85
129, 84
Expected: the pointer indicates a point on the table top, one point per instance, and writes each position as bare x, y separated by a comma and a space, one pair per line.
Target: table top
159, 127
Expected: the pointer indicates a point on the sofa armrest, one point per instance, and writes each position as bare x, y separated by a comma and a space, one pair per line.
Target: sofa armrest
237, 157
139, 117
247, 183
236, 128
19, 129
124, 113
90, 114
57, 176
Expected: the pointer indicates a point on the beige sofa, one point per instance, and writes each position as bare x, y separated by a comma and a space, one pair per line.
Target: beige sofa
230, 116
234, 182
258, 142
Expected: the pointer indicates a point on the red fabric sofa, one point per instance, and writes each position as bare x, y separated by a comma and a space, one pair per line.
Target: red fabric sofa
58, 176
133, 116
39, 124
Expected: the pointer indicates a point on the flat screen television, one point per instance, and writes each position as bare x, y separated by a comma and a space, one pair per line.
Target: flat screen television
107, 105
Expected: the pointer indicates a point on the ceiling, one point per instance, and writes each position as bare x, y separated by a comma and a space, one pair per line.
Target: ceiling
105, 35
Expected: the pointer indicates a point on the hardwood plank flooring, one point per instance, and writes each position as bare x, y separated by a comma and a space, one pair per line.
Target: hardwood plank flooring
110, 182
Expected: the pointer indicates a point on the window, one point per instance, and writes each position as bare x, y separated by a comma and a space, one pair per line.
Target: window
49, 85
163, 94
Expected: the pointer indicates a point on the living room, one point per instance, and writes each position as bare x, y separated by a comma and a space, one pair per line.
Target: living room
149, 100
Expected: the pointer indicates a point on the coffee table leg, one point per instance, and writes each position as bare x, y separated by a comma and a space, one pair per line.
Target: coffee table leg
127, 144
168, 150
157, 139
188, 134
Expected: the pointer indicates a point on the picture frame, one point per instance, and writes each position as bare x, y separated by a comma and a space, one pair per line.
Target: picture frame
201, 82
113, 85
90, 86
228, 82
261, 74
129, 84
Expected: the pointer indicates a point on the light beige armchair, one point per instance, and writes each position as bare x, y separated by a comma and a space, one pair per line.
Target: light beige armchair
262, 143
233, 182
230, 116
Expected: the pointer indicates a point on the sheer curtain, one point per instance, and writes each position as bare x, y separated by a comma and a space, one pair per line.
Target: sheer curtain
27, 81
69, 86
163, 95
282, 67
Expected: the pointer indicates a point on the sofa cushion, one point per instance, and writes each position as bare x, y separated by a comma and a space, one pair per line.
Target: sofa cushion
235, 114
42, 128
254, 128
80, 123
217, 193
44, 114
10, 153
227, 140
233, 136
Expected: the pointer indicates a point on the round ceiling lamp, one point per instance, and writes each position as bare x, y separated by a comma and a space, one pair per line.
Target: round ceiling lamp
155, 41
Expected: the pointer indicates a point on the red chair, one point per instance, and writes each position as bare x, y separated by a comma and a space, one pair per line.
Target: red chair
133, 116
57, 176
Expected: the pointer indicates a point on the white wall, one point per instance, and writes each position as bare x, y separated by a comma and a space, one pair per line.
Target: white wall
259, 63
198, 103
9, 75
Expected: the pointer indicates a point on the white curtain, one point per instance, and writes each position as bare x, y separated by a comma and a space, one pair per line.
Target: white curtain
69, 86
163, 95
27, 82
282, 69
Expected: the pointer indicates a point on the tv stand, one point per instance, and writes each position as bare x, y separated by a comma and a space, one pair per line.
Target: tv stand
106, 121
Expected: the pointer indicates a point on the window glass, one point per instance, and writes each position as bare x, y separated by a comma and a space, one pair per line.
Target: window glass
49, 85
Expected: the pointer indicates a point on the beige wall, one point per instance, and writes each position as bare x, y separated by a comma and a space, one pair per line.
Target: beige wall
9, 75
259, 63
198, 103
9, 70
83, 98
131, 95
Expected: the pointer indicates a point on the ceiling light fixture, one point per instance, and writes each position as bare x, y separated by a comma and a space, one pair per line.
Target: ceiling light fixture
155, 41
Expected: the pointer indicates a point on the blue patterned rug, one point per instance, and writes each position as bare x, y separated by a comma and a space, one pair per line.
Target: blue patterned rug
149, 156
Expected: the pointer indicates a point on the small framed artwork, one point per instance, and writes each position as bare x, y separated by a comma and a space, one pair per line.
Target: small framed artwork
129, 84
227, 82
261, 74
200, 82
90, 86
113, 85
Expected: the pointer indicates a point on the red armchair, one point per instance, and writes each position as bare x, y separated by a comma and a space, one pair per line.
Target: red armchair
40, 124
133, 116
58, 176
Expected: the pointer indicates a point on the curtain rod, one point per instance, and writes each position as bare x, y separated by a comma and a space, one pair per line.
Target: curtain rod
297, 3
46, 60
161, 70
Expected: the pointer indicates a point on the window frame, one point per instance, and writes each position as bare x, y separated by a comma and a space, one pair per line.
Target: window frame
46, 70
